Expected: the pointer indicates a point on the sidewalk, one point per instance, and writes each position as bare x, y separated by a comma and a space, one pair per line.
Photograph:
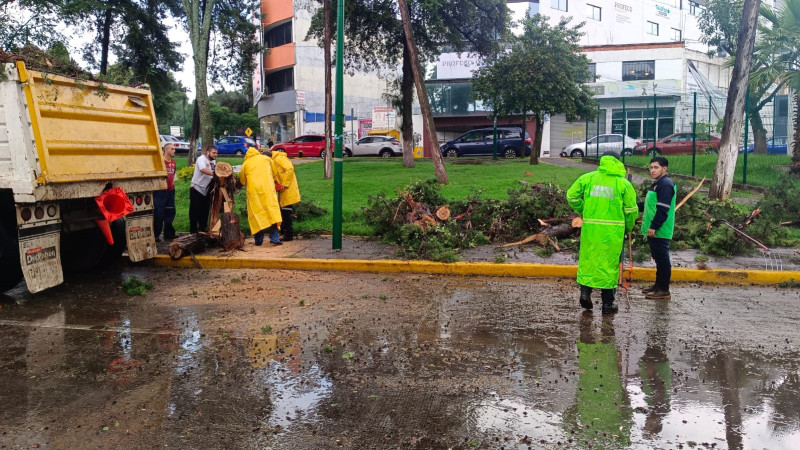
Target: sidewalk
372, 255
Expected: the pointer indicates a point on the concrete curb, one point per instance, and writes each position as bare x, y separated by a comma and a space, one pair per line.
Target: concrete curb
523, 270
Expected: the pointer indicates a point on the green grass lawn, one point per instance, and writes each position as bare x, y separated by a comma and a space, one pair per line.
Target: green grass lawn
761, 169
369, 176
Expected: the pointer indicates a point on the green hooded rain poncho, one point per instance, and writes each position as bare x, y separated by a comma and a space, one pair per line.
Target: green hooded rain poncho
607, 203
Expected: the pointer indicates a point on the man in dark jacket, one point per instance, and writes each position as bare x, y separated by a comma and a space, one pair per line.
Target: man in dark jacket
658, 223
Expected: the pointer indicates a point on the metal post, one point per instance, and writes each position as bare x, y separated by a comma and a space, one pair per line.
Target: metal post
494, 139
597, 135
746, 126
709, 118
352, 127
337, 153
774, 118
655, 121
644, 124
694, 132
585, 140
624, 129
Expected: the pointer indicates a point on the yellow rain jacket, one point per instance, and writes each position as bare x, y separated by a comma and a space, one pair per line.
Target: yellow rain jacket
262, 201
284, 175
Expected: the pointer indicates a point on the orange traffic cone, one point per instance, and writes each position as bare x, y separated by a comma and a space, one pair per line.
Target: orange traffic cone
106, 229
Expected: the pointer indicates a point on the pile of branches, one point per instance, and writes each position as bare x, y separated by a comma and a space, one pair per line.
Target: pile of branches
46, 61
424, 225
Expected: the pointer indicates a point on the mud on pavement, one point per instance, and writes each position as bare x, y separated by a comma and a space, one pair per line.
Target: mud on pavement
280, 359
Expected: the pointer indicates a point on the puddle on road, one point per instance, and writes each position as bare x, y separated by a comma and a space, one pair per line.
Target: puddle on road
483, 368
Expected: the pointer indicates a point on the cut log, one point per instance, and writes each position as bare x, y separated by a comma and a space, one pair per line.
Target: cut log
577, 222
443, 213
546, 235
232, 236
192, 243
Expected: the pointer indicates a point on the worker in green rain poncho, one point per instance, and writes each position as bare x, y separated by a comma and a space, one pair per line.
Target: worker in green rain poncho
607, 203
601, 416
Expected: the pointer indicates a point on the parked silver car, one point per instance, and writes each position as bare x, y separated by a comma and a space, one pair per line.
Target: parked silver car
181, 146
602, 144
383, 146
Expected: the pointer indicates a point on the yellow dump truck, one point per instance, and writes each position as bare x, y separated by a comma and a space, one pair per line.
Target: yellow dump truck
63, 143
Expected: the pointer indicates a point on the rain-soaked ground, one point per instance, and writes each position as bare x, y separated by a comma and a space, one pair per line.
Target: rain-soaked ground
255, 359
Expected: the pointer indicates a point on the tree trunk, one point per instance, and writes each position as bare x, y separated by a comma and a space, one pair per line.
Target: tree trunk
422, 95
722, 181
328, 92
407, 93
537, 141
522, 151
759, 132
105, 39
199, 32
191, 157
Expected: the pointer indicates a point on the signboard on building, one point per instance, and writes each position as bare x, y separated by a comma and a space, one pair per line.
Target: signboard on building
258, 68
364, 127
457, 65
662, 11
301, 98
176, 130
383, 117
623, 12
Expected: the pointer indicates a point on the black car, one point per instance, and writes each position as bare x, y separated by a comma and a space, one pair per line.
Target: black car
481, 142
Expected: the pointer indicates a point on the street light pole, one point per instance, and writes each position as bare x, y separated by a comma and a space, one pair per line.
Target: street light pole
339, 127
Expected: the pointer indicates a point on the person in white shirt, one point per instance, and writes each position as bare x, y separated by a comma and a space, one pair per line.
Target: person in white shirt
199, 204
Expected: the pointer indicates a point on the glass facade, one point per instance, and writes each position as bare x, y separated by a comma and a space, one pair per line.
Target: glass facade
277, 128
452, 98
640, 122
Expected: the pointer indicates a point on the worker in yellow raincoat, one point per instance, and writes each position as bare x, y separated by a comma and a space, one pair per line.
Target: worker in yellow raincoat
263, 211
288, 191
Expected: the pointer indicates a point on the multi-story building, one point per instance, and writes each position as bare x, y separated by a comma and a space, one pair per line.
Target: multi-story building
292, 100
647, 63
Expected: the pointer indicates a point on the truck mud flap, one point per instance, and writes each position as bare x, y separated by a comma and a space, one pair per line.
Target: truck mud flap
40, 256
139, 232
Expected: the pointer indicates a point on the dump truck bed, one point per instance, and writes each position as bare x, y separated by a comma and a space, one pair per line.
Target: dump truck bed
66, 138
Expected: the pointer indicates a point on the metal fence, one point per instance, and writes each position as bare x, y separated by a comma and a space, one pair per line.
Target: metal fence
687, 134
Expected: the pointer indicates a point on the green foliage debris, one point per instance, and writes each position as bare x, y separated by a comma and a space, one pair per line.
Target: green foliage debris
134, 286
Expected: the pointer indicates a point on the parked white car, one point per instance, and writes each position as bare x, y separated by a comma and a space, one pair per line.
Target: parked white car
181, 146
383, 146
608, 144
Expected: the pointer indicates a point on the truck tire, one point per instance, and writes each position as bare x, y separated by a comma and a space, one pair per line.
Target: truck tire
82, 250
114, 252
10, 267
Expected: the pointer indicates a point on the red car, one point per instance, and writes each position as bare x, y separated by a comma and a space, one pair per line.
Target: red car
306, 145
677, 144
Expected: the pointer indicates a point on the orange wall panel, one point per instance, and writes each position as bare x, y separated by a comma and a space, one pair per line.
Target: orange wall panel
276, 10
278, 57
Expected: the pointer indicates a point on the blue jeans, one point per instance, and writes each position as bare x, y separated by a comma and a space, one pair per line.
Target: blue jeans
274, 235
164, 213
659, 249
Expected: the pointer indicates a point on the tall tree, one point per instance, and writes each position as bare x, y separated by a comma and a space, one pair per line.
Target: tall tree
720, 22
779, 39
232, 54
24, 22
722, 181
372, 30
544, 74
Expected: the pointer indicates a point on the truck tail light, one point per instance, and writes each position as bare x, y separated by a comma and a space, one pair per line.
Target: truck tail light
147, 199
26, 214
138, 200
38, 212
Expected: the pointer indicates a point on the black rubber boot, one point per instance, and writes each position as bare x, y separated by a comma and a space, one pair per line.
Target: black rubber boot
586, 297
608, 301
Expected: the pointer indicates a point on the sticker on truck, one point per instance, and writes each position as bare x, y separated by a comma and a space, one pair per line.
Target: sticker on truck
40, 256
139, 232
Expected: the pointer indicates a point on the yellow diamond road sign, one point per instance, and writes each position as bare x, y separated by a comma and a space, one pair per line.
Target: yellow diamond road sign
248, 132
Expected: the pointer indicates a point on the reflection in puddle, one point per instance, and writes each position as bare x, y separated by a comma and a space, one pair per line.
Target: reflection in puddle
495, 414
264, 348
295, 398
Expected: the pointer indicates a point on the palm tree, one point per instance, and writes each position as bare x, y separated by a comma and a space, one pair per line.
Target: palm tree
779, 41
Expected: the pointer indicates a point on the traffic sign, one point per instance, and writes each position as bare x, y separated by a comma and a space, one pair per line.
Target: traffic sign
248, 132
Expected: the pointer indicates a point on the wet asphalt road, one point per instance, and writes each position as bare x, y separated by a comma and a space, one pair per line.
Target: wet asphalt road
257, 359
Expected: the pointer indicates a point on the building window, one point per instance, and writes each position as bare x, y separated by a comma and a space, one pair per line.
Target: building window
279, 81
676, 34
560, 5
638, 70
592, 78
693, 7
280, 35
593, 12
652, 28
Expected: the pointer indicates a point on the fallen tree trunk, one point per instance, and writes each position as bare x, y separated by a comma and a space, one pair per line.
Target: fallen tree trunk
232, 236
192, 243
547, 235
